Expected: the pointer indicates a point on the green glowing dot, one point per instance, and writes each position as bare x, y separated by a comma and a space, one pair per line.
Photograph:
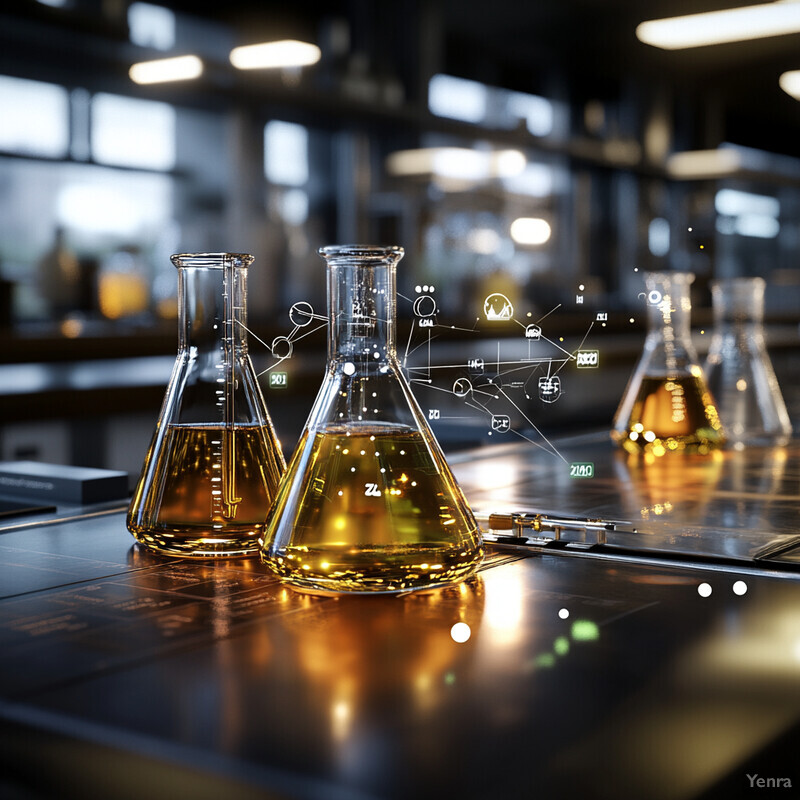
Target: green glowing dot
450, 678
561, 646
545, 660
584, 630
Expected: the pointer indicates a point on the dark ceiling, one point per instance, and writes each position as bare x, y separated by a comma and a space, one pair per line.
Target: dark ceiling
587, 48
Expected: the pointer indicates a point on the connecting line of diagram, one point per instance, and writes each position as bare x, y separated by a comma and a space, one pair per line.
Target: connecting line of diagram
289, 338
525, 417
585, 337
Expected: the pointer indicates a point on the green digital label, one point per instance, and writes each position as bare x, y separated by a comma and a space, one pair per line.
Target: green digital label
581, 469
277, 380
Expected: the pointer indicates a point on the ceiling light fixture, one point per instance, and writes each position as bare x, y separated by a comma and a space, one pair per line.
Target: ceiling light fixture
720, 27
530, 230
274, 55
790, 83
164, 70
458, 163
703, 164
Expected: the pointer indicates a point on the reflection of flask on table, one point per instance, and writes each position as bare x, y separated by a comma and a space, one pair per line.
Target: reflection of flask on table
214, 463
368, 503
667, 406
738, 368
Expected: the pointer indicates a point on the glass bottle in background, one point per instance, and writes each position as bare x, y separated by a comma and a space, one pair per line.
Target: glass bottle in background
666, 406
738, 368
213, 467
368, 503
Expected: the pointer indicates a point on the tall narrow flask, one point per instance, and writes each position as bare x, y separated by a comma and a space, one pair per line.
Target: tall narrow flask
738, 368
214, 464
667, 406
368, 502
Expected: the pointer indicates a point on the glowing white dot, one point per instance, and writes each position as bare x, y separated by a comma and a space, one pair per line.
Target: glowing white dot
636, 269
383, 469
689, 229
704, 590
376, 354
349, 368
352, 469
425, 288
631, 319
340, 492
460, 632
417, 288
649, 436
581, 288
432, 288
563, 613
740, 588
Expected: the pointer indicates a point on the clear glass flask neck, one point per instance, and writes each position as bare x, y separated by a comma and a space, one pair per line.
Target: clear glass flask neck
668, 347
361, 303
738, 301
212, 301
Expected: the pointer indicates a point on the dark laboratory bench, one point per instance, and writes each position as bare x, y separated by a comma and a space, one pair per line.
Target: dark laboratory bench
591, 670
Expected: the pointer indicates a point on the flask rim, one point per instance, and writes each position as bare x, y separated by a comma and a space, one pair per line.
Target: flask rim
212, 260
366, 254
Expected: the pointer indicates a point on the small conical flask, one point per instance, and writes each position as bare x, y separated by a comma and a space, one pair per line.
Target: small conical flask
368, 502
667, 406
738, 368
214, 464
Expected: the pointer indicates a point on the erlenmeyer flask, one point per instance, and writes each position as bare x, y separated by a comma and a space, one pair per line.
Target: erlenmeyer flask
667, 406
214, 463
738, 369
368, 502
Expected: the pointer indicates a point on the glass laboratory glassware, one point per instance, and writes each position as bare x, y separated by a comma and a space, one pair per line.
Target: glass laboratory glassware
666, 406
738, 369
368, 502
214, 463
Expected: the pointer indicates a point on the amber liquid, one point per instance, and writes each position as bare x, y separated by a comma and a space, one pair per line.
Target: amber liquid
209, 492
375, 510
672, 414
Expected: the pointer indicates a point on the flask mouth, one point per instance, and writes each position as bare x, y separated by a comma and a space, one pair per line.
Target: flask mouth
212, 260
366, 254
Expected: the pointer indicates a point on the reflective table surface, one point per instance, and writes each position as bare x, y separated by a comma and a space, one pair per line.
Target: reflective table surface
727, 506
572, 674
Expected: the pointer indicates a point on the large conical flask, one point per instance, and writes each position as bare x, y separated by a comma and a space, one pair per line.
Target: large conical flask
738, 368
667, 406
214, 463
368, 502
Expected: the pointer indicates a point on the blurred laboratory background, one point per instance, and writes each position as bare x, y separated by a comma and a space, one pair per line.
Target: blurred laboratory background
551, 151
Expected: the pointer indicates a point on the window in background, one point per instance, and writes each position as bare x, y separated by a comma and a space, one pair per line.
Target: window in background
658, 237
536, 111
151, 26
286, 153
457, 98
747, 214
98, 201
133, 133
470, 101
34, 119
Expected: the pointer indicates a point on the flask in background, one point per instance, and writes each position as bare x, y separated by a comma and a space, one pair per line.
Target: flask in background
214, 464
666, 406
738, 368
368, 502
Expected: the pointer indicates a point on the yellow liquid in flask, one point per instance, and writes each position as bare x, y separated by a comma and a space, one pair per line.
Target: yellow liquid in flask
377, 510
672, 414
208, 493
